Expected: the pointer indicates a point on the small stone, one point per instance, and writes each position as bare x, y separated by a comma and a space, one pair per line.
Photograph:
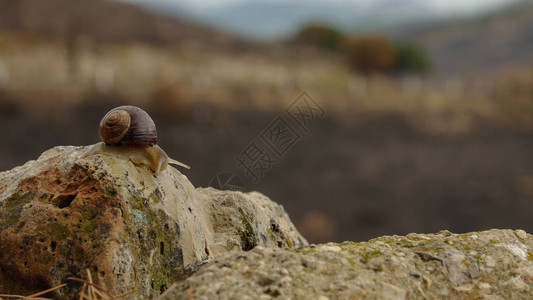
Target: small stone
284, 281
418, 236
521, 234
267, 251
392, 292
490, 262
464, 288
328, 247
484, 286
517, 284
518, 251
427, 282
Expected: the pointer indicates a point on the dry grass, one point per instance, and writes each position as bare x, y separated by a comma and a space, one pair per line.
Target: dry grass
35, 296
90, 290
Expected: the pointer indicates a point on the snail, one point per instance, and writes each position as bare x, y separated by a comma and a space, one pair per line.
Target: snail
129, 130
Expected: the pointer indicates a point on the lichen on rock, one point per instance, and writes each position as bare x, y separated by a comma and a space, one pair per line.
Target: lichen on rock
493, 264
64, 213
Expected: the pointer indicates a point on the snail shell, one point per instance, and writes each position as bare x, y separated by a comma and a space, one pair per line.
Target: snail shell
129, 131
128, 125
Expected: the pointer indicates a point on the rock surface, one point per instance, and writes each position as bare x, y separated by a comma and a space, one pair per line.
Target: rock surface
494, 264
62, 213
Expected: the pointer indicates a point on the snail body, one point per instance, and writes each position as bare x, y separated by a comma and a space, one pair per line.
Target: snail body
129, 131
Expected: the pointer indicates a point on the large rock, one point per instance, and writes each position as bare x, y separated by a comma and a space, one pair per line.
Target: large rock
63, 213
494, 264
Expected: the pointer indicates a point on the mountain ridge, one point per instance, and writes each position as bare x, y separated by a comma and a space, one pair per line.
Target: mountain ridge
473, 45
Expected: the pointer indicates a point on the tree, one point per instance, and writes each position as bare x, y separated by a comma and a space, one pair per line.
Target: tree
370, 54
367, 53
411, 58
319, 36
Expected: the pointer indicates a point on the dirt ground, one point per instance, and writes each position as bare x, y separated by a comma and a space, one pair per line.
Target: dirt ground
342, 180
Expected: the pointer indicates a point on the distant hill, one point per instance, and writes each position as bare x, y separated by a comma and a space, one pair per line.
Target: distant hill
267, 20
499, 39
469, 44
485, 38
278, 20
103, 22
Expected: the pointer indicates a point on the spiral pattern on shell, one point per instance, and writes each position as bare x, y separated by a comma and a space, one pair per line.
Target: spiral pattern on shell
128, 125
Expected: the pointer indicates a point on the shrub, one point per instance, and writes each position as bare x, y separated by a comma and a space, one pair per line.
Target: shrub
319, 36
367, 53
411, 58
370, 54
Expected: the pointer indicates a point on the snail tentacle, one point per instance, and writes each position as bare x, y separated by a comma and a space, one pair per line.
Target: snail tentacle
170, 160
177, 163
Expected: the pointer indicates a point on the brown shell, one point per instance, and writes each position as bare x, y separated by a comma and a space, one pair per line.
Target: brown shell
128, 125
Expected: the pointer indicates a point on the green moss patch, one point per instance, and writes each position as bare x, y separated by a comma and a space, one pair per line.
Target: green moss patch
11, 208
247, 234
153, 241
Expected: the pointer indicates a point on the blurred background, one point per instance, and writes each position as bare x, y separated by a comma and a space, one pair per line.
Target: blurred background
428, 105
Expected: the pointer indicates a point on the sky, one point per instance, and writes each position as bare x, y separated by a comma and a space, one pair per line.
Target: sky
467, 5
282, 18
